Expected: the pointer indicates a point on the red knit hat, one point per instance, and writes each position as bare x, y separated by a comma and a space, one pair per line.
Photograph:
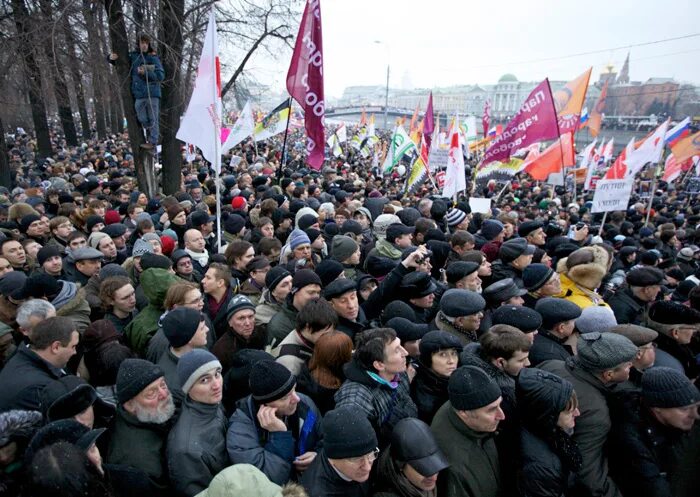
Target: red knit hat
112, 217
238, 203
168, 244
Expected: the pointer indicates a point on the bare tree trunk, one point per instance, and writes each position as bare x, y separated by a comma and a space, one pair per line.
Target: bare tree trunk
65, 113
97, 61
120, 45
74, 65
33, 76
114, 113
171, 16
5, 176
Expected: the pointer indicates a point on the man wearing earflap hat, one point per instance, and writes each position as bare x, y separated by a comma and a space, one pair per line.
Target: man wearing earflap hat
275, 428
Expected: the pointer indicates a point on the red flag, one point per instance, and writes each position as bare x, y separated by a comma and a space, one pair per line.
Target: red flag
429, 122
672, 169
553, 160
305, 80
486, 118
619, 168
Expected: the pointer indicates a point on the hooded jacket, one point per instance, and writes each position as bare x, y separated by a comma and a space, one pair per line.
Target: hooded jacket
155, 282
282, 323
266, 309
70, 302
196, 449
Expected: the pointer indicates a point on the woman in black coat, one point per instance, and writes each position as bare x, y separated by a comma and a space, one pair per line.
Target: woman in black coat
548, 408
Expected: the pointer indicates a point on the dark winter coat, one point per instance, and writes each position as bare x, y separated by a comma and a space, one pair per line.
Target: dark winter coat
196, 449
628, 309
226, 347
219, 321
474, 469
682, 353
323, 397
390, 480
322, 480
168, 363
141, 445
23, 378
501, 271
429, 390
282, 323
547, 347
352, 328
145, 85
592, 428
273, 453
383, 404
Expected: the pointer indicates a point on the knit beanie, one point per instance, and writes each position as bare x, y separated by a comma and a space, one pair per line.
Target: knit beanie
150, 260
491, 228
469, 388
46, 253
595, 318
110, 270
668, 388
305, 277
602, 351
270, 381
234, 224
343, 247
180, 325
536, 275
454, 217
238, 303
90, 222
27, 220
134, 375
193, 365
141, 247
274, 276
297, 237
347, 433
306, 221
152, 237
328, 270
95, 238
112, 217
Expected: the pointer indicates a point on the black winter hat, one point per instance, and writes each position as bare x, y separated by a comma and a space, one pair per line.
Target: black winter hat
670, 313
237, 379
38, 285
536, 275
64, 430
234, 224
180, 325
435, 341
306, 221
528, 227
115, 230
525, 319
469, 388
554, 311
400, 309
238, 303
460, 269
305, 277
27, 220
274, 276
46, 253
328, 271
514, 248
413, 443
149, 260
90, 222
668, 388
396, 230
347, 433
270, 381
406, 330
66, 397
338, 288
542, 396
134, 375
416, 284
645, 276
458, 302
379, 266
502, 290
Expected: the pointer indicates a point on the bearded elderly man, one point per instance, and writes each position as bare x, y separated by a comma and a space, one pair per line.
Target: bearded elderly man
142, 421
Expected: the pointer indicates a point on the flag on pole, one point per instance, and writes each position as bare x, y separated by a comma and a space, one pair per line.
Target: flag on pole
201, 124
305, 80
687, 147
558, 155
584, 118
587, 162
334, 145
363, 117
342, 133
678, 132
649, 151
469, 129
672, 169
486, 118
455, 176
419, 170
244, 127
414, 121
619, 168
401, 144
596, 116
429, 122
274, 123
607, 152
569, 102
370, 126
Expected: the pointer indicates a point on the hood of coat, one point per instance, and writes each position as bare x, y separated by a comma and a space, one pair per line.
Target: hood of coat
541, 396
155, 283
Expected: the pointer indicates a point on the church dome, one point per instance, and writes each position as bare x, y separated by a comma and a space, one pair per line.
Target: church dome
508, 78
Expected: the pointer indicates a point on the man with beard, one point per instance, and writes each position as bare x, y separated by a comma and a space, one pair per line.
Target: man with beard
141, 424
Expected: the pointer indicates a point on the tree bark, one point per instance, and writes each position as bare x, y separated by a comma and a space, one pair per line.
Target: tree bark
33, 77
74, 65
171, 15
97, 61
120, 45
65, 113
5, 176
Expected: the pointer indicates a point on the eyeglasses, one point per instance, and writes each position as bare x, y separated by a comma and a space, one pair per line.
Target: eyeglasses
370, 458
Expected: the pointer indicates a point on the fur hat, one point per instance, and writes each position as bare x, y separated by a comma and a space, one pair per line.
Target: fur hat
586, 266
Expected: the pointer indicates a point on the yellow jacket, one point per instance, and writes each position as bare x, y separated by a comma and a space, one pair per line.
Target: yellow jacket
580, 296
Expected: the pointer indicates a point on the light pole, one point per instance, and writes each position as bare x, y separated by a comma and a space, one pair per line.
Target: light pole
386, 94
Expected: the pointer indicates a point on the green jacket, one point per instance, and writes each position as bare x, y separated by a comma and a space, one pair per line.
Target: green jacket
155, 283
281, 324
474, 470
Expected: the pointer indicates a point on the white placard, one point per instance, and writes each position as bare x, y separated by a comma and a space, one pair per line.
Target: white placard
482, 205
612, 195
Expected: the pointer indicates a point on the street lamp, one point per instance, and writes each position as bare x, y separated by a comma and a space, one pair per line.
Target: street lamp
386, 94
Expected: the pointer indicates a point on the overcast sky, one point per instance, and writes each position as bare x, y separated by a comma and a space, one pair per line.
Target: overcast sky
446, 42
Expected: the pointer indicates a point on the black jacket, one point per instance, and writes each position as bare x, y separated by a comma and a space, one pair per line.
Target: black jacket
352, 328
429, 391
23, 378
627, 308
322, 480
682, 353
546, 347
501, 271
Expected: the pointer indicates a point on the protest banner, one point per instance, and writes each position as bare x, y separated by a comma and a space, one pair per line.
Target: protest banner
438, 158
612, 195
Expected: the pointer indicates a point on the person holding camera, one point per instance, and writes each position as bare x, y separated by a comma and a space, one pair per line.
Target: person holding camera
146, 76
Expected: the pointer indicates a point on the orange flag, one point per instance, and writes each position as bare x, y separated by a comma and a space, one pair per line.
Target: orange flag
687, 147
569, 102
597, 114
363, 118
553, 160
414, 119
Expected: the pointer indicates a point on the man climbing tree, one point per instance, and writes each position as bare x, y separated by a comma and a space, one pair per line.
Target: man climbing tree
146, 75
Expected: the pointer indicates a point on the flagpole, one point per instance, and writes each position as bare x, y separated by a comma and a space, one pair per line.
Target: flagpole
217, 143
651, 197
284, 142
602, 223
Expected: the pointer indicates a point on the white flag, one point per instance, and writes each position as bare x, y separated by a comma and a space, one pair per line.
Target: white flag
649, 151
245, 124
201, 124
588, 163
608, 150
455, 177
342, 133
470, 132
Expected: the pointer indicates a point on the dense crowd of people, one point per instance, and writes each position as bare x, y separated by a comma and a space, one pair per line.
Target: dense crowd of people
340, 337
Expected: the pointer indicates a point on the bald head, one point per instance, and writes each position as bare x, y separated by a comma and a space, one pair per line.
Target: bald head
194, 241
